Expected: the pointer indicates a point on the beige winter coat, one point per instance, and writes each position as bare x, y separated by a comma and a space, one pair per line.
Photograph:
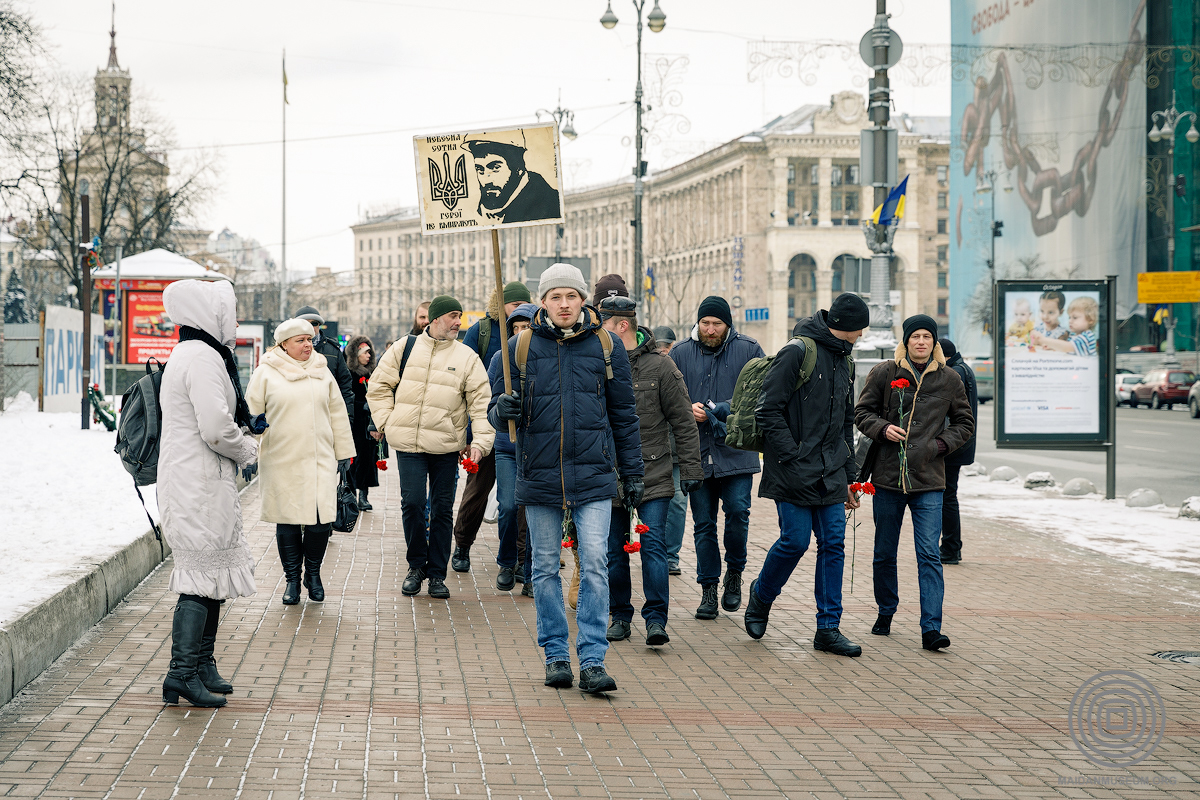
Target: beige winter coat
308, 434
201, 450
444, 385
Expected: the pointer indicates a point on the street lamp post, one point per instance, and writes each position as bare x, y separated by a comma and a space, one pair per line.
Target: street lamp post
656, 21
566, 126
1166, 125
986, 185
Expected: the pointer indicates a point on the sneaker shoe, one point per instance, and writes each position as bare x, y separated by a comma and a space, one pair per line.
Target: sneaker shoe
618, 631
656, 634
438, 590
559, 675
883, 625
673, 568
412, 582
461, 560
506, 580
934, 640
831, 640
594, 680
757, 614
708, 602
527, 589
731, 597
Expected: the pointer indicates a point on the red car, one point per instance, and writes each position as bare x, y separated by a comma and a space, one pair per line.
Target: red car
1163, 387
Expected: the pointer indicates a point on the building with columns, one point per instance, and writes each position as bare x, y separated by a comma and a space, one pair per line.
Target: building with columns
769, 220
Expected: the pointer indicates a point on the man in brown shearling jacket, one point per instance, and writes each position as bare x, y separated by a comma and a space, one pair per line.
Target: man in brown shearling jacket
915, 410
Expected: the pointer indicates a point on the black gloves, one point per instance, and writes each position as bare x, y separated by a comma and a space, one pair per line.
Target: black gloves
258, 424
249, 472
687, 487
508, 406
344, 464
634, 489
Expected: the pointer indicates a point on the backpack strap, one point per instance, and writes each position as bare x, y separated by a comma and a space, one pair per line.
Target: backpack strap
409, 341
523, 339
808, 359
606, 343
485, 338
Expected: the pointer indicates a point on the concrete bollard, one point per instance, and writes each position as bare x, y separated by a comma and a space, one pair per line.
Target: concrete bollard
1004, 474
1143, 498
1039, 480
1078, 487
1190, 508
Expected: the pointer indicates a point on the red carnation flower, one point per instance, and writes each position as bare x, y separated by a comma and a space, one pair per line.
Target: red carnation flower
363, 379
900, 383
470, 466
868, 488
381, 464
633, 547
568, 544
641, 528
856, 487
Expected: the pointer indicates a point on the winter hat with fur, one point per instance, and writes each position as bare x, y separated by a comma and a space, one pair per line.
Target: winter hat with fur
562, 276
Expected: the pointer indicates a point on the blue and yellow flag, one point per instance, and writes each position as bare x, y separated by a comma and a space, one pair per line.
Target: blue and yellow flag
893, 207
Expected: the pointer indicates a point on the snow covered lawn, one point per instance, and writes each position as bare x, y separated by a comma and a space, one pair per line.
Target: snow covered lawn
67, 503
1152, 536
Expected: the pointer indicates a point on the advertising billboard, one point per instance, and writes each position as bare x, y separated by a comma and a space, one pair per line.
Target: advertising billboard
1048, 117
62, 358
150, 333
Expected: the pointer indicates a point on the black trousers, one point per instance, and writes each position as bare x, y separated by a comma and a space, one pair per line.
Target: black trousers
951, 522
428, 552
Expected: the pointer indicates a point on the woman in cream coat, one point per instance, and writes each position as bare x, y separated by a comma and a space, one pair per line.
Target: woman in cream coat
204, 442
300, 453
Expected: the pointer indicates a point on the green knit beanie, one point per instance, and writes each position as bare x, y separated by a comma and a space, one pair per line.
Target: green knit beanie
443, 304
516, 292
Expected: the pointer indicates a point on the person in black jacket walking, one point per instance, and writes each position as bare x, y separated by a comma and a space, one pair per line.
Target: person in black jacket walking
333, 355
808, 465
951, 546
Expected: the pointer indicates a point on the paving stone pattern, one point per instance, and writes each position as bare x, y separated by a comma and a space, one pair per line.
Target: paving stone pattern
375, 695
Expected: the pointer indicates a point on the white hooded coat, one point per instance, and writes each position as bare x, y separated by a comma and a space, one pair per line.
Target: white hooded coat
202, 449
309, 433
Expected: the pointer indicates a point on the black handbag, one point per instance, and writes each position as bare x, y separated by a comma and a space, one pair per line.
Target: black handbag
347, 503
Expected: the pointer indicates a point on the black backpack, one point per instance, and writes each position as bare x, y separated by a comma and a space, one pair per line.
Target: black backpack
140, 431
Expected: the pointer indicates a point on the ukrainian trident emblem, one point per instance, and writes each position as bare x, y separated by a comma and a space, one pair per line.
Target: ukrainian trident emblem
453, 186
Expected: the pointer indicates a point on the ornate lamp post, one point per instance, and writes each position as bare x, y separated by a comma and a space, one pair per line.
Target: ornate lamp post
566, 126
656, 21
1166, 125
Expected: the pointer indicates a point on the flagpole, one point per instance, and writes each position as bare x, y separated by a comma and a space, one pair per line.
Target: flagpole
283, 238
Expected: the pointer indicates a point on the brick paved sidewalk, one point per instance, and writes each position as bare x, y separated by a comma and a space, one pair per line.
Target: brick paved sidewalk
372, 694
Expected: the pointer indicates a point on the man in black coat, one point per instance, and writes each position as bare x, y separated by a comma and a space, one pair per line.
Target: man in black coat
808, 465
333, 355
509, 192
951, 522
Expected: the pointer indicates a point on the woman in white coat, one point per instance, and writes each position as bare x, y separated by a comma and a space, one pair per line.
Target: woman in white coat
301, 452
205, 440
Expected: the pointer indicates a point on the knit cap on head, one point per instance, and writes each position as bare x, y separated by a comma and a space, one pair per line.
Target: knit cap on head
524, 311
516, 292
562, 276
715, 306
609, 286
441, 305
948, 348
848, 312
919, 322
292, 327
311, 314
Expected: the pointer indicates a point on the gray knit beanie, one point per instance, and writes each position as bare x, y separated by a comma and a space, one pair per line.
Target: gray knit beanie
561, 276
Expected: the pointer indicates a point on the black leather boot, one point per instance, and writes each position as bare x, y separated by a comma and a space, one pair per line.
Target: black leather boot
183, 679
291, 555
207, 665
731, 597
757, 613
315, 543
363, 503
831, 640
883, 625
708, 602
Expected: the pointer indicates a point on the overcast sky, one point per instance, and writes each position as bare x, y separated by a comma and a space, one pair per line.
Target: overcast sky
366, 75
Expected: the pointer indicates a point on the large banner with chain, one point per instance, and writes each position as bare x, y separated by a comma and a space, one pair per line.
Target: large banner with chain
1048, 116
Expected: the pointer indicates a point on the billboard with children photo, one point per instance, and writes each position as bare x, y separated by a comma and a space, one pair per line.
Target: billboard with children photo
1051, 368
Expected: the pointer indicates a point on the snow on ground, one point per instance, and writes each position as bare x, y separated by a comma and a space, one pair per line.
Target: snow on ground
66, 505
1152, 536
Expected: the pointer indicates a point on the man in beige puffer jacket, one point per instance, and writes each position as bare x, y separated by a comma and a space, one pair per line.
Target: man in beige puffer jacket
424, 415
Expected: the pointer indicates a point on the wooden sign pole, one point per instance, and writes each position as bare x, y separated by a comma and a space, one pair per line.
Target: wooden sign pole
504, 360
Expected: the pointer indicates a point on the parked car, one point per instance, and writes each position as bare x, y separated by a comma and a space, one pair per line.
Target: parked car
1194, 400
1125, 384
1163, 387
985, 377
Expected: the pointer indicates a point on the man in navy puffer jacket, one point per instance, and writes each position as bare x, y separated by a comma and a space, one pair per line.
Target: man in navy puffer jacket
577, 430
711, 361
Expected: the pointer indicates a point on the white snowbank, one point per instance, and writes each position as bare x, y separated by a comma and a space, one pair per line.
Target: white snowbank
1153, 536
67, 503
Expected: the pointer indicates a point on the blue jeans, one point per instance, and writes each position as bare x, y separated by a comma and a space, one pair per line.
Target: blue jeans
733, 492
506, 495
926, 510
654, 564
427, 538
796, 526
676, 517
545, 535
